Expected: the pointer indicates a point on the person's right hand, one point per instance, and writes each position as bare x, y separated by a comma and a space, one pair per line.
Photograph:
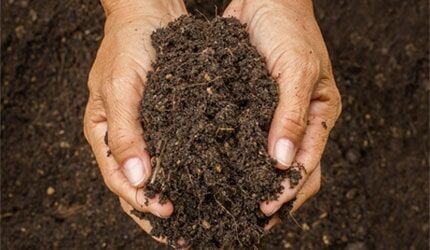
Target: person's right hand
116, 83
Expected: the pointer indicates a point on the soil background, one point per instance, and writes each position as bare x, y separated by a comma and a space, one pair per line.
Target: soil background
375, 186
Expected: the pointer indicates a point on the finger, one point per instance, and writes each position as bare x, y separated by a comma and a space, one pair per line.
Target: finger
296, 85
122, 96
272, 222
311, 187
323, 113
144, 224
113, 175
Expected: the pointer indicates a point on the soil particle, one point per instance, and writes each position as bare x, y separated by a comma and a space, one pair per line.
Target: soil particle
356, 246
206, 112
324, 124
353, 156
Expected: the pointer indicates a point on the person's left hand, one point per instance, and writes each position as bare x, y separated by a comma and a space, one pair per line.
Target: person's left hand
286, 33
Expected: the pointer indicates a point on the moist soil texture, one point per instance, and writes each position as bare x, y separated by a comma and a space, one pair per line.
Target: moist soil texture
375, 175
206, 112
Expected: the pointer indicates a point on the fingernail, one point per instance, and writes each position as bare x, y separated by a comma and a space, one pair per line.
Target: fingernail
134, 171
285, 151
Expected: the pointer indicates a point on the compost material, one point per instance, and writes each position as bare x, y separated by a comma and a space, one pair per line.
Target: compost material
206, 112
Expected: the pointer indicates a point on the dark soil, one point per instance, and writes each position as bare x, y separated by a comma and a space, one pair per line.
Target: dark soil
375, 185
206, 112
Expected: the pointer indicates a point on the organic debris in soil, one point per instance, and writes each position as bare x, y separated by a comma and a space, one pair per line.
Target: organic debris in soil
206, 112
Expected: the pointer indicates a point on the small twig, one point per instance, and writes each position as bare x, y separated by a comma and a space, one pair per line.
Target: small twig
157, 168
207, 20
157, 162
234, 220
185, 86
189, 175
231, 53
226, 129
295, 221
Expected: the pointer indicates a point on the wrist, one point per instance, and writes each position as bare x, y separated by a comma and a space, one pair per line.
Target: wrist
110, 5
120, 13
301, 7
137, 7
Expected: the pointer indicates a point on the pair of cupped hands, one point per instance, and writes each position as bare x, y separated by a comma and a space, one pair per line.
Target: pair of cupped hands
284, 32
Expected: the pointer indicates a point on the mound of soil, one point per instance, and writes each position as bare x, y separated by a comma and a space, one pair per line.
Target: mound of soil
206, 113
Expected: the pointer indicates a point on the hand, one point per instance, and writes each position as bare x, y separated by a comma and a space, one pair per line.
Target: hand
286, 33
116, 84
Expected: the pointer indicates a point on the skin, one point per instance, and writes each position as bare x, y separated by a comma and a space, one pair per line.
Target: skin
285, 32
287, 35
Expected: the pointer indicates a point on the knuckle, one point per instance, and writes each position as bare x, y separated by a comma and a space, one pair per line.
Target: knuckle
120, 143
311, 67
106, 89
307, 62
85, 125
94, 76
87, 128
119, 81
336, 102
91, 81
293, 122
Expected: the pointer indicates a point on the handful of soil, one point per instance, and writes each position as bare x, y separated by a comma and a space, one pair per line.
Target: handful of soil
206, 113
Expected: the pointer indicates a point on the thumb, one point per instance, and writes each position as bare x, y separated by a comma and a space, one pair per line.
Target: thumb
289, 122
125, 134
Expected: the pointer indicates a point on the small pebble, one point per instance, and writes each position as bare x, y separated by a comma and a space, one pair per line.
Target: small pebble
50, 191
287, 245
356, 246
218, 168
351, 194
33, 15
20, 31
326, 239
323, 215
353, 156
207, 77
305, 227
206, 224
64, 144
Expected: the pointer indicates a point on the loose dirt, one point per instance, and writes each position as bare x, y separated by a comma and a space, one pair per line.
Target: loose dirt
206, 113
